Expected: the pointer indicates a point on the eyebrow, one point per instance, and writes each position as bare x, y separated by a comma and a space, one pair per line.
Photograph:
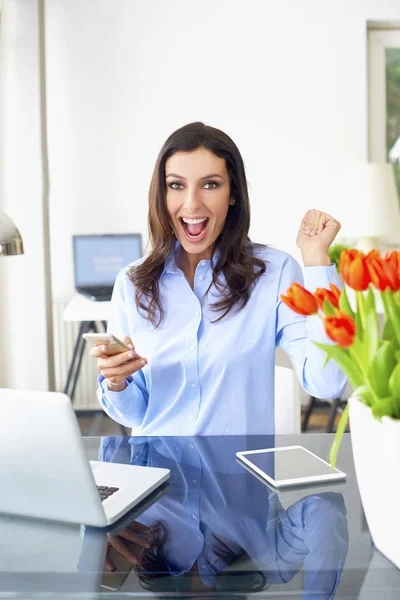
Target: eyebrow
202, 178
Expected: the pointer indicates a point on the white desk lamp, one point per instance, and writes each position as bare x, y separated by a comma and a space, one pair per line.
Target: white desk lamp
373, 212
10, 237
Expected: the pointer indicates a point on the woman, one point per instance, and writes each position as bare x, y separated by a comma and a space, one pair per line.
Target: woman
203, 308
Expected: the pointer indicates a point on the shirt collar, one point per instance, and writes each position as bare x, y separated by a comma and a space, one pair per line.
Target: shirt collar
170, 265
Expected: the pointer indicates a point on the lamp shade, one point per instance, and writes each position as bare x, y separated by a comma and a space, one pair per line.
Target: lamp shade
373, 209
10, 238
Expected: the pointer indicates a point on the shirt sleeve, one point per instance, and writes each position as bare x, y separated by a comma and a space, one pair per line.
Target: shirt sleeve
129, 406
313, 535
295, 333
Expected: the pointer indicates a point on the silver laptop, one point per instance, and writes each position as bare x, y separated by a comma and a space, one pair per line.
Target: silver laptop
45, 472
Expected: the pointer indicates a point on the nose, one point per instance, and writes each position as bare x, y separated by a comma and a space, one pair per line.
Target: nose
192, 200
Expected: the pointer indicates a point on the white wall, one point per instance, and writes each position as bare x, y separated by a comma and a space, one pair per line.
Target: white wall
24, 343
287, 81
120, 81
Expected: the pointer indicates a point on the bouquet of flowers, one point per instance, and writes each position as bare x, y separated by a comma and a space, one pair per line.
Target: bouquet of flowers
370, 359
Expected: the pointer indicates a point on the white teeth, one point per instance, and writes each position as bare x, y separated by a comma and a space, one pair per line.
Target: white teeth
194, 221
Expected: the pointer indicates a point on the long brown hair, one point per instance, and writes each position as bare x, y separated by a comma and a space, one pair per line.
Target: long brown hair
235, 257
154, 573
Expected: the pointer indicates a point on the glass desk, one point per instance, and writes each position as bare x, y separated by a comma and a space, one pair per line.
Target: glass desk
214, 530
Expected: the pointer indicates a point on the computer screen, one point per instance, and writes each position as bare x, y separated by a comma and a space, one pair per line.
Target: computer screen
99, 258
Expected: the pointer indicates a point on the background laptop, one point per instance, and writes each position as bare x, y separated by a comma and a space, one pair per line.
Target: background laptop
45, 472
98, 258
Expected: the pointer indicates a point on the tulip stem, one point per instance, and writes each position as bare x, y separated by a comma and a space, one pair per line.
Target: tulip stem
361, 308
339, 434
385, 306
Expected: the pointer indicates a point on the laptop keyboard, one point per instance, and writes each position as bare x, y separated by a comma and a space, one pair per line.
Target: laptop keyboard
106, 492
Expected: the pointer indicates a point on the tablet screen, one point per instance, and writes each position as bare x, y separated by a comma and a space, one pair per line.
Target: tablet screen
292, 463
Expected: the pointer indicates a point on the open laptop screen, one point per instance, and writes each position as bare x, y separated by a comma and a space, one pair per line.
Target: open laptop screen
99, 258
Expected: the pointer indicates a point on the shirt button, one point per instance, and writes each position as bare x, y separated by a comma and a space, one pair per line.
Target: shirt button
194, 481
177, 448
196, 314
191, 417
201, 277
203, 262
192, 446
194, 517
203, 566
192, 348
192, 385
199, 538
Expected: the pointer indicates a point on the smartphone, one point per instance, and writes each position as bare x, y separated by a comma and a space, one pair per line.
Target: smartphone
113, 580
114, 347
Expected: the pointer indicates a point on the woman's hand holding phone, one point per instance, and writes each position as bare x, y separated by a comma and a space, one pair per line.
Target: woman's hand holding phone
118, 367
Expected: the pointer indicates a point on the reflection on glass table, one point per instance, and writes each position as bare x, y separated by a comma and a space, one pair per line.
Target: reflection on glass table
219, 529
214, 529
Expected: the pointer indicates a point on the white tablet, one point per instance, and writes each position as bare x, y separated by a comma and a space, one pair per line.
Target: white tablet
289, 465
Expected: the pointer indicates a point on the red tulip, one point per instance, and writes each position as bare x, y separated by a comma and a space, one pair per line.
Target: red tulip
341, 329
393, 259
333, 295
354, 270
384, 271
300, 300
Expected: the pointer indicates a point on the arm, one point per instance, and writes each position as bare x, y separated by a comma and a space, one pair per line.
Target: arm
312, 535
129, 405
123, 450
322, 525
295, 333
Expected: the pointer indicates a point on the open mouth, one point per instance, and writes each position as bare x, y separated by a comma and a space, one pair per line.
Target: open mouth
195, 232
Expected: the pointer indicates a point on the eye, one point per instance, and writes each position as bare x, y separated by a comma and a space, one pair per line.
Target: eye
211, 185
175, 185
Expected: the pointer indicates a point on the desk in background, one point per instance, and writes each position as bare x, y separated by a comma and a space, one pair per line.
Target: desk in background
88, 313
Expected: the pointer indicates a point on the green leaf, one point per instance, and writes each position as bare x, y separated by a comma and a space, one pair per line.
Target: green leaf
396, 296
370, 303
342, 358
394, 314
385, 306
364, 394
381, 368
344, 303
366, 345
327, 359
328, 308
338, 436
388, 334
394, 387
394, 382
386, 406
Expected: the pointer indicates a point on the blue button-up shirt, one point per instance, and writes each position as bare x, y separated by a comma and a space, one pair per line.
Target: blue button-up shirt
205, 378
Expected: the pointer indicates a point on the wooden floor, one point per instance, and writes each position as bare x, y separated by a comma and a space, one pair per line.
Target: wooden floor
105, 426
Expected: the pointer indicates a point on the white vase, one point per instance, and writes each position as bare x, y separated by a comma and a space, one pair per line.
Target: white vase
376, 452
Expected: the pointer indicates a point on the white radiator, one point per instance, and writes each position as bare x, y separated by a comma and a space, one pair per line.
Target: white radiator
65, 334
